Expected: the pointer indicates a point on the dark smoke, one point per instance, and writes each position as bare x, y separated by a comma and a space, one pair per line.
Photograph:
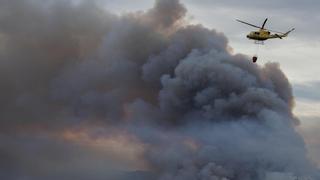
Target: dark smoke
200, 112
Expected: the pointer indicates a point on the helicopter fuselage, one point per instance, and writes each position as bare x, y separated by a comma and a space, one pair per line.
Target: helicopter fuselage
261, 35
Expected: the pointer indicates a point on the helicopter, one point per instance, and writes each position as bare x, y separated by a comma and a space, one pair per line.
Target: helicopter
263, 34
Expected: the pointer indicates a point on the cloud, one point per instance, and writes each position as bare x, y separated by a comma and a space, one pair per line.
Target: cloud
310, 132
287, 4
308, 91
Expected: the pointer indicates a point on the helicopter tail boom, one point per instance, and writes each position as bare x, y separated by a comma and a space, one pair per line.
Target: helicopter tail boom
286, 34
280, 36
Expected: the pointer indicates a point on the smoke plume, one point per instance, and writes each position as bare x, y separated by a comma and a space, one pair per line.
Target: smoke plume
146, 87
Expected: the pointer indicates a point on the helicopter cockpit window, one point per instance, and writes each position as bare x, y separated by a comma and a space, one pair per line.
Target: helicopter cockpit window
257, 33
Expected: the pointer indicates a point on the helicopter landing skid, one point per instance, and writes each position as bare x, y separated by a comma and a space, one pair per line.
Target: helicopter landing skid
259, 42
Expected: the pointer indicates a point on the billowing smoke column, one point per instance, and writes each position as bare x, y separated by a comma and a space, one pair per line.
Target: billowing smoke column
200, 112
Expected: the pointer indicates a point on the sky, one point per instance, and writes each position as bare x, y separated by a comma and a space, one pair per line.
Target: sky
117, 89
298, 54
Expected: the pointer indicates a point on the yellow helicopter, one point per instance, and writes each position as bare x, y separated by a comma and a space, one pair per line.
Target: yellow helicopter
263, 34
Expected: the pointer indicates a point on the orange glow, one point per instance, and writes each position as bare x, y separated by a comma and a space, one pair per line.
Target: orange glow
119, 144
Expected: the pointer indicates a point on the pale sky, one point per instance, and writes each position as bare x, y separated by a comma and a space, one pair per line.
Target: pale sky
298, 54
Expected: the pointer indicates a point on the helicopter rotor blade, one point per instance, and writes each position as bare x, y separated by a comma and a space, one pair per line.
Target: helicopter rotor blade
264, 23
248, 24
260, 27
275, 31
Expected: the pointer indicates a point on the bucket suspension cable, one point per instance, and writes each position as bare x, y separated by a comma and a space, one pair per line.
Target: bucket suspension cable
255, 56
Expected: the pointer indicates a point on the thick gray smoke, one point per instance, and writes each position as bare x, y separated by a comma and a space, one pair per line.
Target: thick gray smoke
200, 112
